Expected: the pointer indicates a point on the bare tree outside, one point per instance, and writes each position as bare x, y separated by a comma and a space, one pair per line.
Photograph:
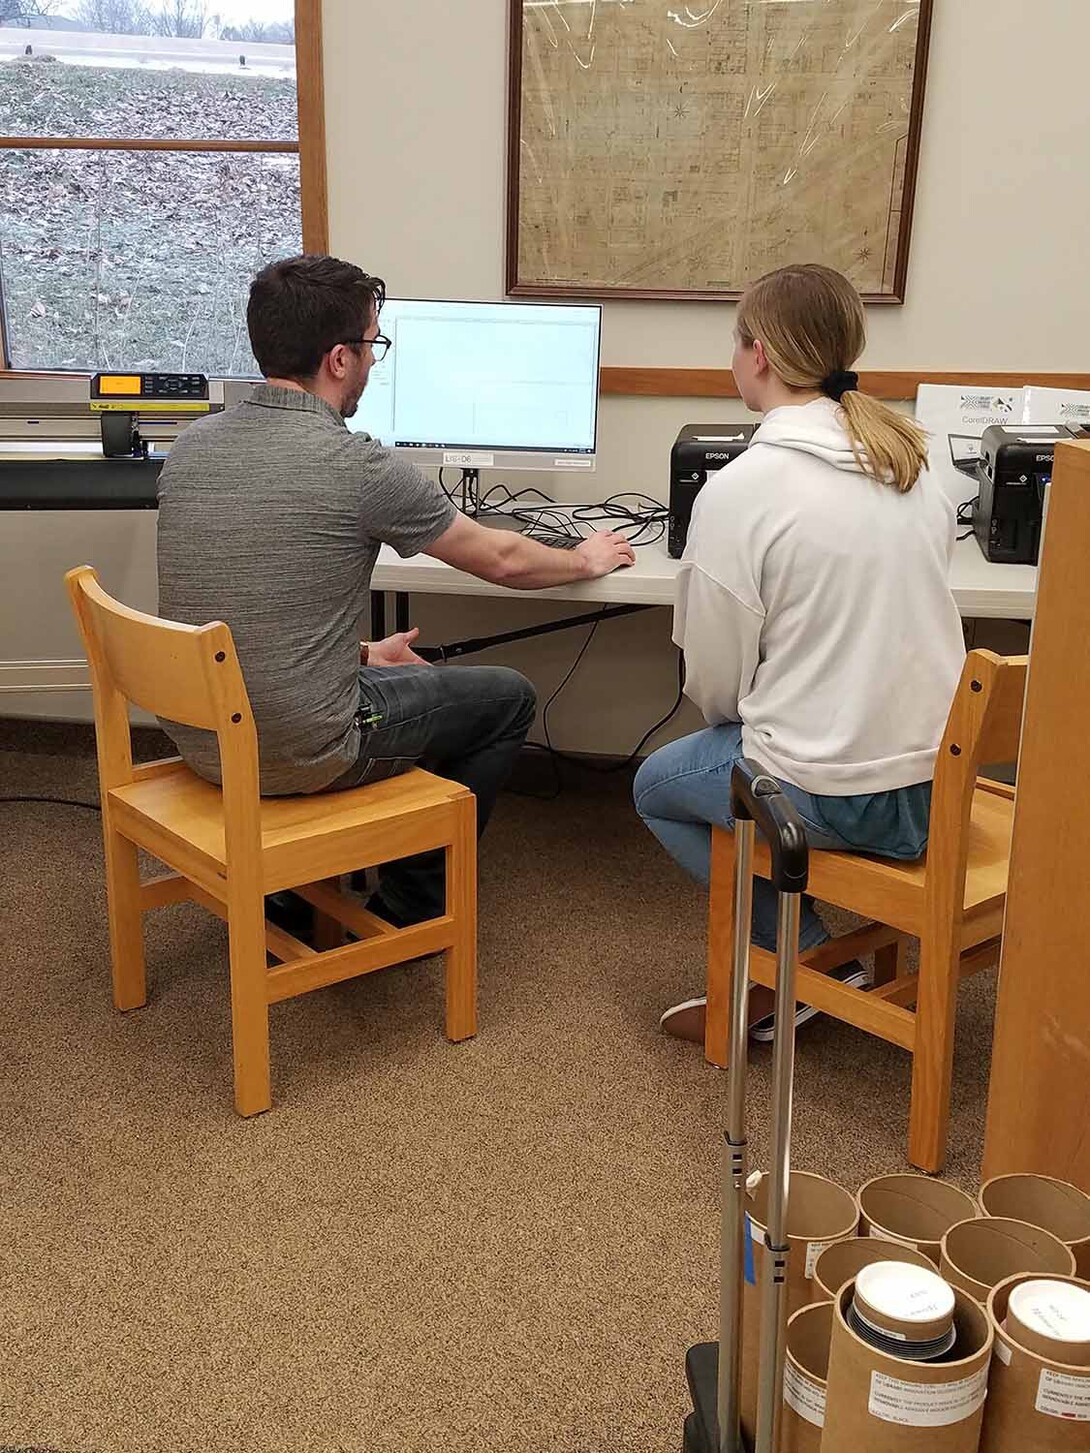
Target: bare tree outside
25, 12
116, 17
257, 32
187, 19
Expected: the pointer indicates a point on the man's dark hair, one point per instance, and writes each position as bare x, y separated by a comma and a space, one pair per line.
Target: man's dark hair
301, 307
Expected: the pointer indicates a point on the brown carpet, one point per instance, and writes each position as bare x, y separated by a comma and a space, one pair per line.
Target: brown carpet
506, 1244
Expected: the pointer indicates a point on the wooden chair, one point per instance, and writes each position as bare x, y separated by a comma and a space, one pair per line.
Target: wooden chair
952, 900
232, 847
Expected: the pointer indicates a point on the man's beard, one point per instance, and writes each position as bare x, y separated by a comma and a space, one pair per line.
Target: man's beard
350, 403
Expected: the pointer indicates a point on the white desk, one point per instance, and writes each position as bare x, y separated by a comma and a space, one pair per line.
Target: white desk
1003, 592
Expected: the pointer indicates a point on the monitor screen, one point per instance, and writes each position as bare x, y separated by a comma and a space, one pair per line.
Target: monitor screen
487, 384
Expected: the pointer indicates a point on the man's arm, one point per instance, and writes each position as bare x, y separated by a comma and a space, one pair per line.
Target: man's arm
503, 557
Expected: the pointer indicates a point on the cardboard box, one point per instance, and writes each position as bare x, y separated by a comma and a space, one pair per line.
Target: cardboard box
1034, 1405
818, 1212
977, 1255
913, 1211
1057, 1206
844, 1260
875, 1403
805, 1372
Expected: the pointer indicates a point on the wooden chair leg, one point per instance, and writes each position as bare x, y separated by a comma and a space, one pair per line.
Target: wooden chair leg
126, 921
461, 957
933, 1057
249, 1002
720, 948
890, 962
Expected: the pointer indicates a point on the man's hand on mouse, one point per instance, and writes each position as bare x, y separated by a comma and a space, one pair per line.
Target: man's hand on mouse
604, 552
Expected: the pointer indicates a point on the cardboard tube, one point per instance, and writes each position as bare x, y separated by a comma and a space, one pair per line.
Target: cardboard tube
844, 1260
805, 1372
1052, 1318
818, 1212
1054, 1205
1034, 1403
882, 1404
977, 1255
912, 1210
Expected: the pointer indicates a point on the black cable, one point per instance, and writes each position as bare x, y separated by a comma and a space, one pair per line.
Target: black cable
557, 757
638, 748
642, 522
60, 801
965, 516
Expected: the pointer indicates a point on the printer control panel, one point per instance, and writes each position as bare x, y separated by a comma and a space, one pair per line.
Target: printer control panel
129, 390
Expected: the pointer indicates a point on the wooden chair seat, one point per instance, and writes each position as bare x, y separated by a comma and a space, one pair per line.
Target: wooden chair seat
230, 847
952, 900
891, 890
169, 810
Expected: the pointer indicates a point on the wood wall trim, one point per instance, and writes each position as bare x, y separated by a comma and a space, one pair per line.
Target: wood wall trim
310, 93
718, 383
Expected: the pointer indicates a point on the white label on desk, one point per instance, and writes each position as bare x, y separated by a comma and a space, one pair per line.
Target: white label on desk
1059, 1395
926, 1405
468, 459
573, 461
804, 1395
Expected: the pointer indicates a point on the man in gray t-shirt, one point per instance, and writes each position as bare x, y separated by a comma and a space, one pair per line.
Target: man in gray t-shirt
270, 519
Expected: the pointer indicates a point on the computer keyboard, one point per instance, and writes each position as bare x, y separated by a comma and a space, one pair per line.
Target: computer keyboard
556, 542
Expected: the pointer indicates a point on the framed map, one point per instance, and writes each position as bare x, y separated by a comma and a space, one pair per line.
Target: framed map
681, 148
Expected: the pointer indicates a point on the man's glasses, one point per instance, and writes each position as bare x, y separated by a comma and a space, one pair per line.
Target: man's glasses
379, 345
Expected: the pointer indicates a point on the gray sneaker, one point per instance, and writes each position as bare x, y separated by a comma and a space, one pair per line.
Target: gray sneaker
852, 973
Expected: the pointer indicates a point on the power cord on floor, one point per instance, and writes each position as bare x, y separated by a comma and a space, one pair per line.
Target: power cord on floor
59, 801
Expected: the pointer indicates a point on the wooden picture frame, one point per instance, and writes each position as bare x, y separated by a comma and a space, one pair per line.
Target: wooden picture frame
637, 274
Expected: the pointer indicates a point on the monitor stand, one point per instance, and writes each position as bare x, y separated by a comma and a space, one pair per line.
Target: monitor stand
469, 493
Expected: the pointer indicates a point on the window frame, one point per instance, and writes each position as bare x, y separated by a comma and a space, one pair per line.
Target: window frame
310, 148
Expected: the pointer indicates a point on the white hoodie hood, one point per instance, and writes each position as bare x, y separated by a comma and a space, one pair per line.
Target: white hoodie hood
814, 607
815, 428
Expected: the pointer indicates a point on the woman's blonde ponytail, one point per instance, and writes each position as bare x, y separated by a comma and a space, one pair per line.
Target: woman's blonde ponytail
811, 322
886, 445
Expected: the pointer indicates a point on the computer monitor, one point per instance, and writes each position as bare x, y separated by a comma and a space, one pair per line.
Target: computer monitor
487, 385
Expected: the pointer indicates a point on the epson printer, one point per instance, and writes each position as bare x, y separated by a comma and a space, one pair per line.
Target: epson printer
699, 450
1013, 472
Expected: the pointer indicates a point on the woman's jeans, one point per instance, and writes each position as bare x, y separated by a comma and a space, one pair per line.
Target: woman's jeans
683, 790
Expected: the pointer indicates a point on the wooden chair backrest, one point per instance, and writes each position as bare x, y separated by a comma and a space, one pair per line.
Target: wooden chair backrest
984, 725
188, 674
985, 720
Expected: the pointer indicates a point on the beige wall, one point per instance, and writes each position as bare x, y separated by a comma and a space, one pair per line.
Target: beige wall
416, 102
416, 172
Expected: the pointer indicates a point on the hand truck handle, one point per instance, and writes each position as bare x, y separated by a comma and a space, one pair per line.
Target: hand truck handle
756, 796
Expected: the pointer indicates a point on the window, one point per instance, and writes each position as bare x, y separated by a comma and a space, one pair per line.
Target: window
155, 155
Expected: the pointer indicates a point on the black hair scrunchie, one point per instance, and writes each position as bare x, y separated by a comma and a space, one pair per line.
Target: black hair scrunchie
838, 383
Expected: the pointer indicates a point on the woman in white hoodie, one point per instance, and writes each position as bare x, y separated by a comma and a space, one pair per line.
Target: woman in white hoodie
814, 610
